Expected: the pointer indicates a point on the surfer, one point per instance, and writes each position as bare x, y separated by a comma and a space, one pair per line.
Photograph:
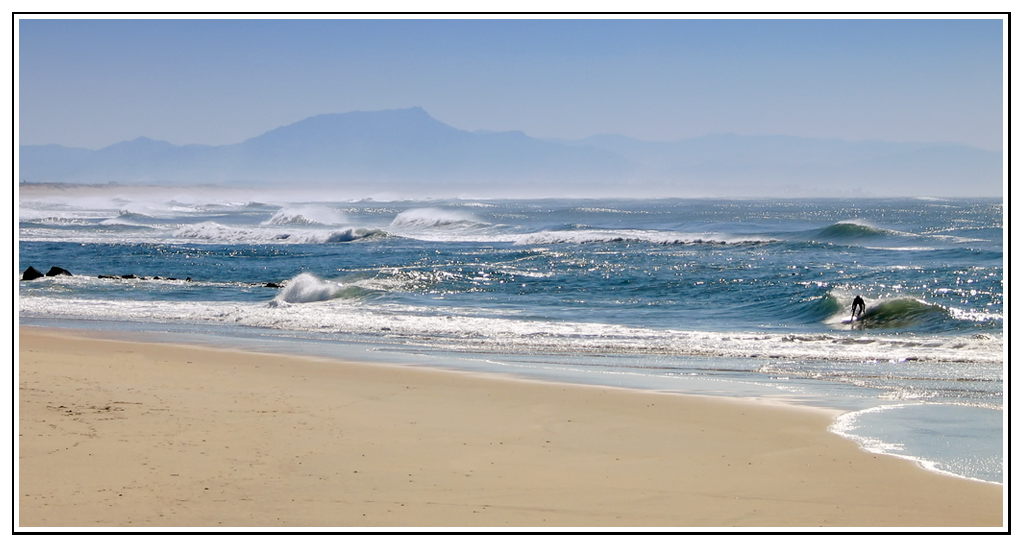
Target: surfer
858, 307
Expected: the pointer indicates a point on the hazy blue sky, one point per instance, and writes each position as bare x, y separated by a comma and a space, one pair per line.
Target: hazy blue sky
91, 83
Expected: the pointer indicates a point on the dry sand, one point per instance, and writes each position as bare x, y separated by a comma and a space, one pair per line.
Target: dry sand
122, 434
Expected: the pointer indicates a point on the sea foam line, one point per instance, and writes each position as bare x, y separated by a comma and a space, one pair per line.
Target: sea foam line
845, 424
442, 328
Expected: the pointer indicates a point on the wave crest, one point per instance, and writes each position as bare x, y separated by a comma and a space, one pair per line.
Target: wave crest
128, 218
218, 233
432, 217
903, 312
307, 288
910, 312
306, 215
851, 230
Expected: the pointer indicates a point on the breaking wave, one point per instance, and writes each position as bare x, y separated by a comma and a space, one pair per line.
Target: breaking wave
850, 230
128, 218
432, 217
218, 233
306, 288
908, 312
903, 313
308, 215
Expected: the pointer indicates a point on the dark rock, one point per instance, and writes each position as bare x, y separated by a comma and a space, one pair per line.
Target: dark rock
129, 277
57, 271
109, 276
31, 273
271, 284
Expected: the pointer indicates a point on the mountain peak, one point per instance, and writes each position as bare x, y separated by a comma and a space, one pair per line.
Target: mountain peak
410, 113
322, 128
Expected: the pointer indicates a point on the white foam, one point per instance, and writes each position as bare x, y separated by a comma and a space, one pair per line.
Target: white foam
432, 217
981, 317
307, 215
847, 423
306, 288
122, 221
218, 233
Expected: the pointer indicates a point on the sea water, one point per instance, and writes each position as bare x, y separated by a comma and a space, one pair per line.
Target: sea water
741, 298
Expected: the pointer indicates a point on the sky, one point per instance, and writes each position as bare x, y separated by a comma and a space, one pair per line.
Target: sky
92, 83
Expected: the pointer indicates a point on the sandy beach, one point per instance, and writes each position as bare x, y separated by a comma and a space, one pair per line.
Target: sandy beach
129, 434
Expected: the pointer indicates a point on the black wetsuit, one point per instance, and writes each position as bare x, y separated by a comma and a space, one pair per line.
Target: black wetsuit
858, 306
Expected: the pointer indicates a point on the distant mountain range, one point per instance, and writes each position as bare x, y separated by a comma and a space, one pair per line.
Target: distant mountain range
407, 150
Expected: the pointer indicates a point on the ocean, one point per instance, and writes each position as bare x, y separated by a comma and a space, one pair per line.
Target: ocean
741, 298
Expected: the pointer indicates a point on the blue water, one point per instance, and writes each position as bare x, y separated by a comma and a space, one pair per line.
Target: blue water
730, 297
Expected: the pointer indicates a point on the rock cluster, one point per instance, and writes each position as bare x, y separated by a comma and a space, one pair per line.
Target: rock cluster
31, 273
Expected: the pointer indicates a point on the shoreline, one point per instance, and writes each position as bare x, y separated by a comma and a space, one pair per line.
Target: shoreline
115, 433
